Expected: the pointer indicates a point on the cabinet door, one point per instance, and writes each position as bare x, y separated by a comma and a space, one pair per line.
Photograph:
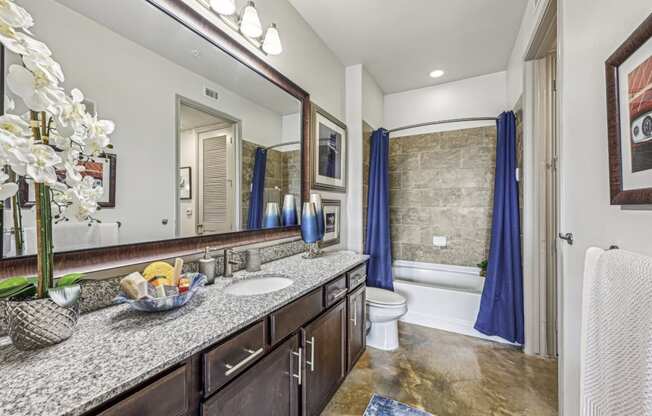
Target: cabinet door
325, 352
270, 387
357, 340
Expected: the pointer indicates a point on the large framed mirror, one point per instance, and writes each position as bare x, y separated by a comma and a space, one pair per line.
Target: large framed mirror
210, 141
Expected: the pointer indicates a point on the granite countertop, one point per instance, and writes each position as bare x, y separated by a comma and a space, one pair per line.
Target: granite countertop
116, 348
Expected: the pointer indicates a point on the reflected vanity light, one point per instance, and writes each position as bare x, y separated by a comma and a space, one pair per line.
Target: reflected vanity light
247, 23
223, 7
250, 23
272, 43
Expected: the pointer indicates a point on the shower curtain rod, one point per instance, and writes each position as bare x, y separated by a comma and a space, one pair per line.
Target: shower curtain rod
452, 120
281, 144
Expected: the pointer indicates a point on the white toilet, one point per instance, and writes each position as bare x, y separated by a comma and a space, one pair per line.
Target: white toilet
384, 308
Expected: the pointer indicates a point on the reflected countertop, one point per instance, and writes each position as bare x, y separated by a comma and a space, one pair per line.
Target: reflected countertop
116, 348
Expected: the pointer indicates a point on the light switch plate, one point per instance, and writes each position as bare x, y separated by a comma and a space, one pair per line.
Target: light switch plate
439, 241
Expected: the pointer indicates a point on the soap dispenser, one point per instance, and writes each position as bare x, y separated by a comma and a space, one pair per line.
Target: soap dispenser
207, 267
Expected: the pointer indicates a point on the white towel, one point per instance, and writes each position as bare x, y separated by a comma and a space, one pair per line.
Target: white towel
616, 363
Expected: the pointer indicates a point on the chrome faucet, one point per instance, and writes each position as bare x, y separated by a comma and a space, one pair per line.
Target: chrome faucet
228, 263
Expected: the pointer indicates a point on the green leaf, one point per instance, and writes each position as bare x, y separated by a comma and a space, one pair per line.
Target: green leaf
12, 283
15, 286
69, 279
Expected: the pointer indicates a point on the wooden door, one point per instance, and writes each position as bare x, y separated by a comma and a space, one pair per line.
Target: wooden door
325, 358
356, 326
215, 199
271, 387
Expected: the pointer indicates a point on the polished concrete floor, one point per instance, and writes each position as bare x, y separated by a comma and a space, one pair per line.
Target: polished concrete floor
448, 374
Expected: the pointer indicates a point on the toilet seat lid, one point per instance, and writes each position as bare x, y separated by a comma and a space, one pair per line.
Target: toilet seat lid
384, 297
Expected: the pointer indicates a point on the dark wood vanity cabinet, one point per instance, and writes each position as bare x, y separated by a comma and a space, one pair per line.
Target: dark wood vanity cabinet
289, 363
356, 326
325, 358
270, 387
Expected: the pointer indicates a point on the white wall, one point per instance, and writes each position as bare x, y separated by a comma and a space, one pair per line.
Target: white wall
515, 68
482, 96
137, 89
590, 30
373, 101
306, 60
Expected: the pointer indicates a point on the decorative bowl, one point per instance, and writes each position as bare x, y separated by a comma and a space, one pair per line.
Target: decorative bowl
167, 303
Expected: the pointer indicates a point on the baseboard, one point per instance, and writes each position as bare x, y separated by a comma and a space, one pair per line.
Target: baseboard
457, 326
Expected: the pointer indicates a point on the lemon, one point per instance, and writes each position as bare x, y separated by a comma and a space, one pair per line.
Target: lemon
159, 268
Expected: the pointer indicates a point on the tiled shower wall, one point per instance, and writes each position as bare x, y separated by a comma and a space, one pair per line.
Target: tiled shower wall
441, 184
282, 171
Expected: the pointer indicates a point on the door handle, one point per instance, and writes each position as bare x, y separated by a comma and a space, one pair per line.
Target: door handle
568, 237
311, 363
299, 374
355, 313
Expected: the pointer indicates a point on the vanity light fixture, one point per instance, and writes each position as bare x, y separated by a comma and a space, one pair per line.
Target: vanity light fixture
272, 43
247, 23
436, 73
223, 7
250, 23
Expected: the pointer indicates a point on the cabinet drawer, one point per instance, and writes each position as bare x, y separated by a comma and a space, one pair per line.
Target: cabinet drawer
357, 276
166, 396
290, 317
334, 291
227, 360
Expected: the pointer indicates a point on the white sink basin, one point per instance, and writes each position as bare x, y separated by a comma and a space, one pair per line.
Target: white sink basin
258, 285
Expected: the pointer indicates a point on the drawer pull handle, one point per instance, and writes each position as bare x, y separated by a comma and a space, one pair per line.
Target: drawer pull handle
311, 363
339, 293
355, 313
298, 355
233, 368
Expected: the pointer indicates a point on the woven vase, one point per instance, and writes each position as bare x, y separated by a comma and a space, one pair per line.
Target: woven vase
39, 323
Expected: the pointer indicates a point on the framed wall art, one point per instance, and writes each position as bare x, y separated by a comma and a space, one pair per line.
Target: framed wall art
629, 115
332, 221
328, 144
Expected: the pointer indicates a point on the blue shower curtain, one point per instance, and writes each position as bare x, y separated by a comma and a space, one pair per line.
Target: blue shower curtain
378, 243
256, 199
501, 306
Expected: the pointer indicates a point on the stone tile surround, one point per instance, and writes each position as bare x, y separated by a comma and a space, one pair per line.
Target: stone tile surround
442, 184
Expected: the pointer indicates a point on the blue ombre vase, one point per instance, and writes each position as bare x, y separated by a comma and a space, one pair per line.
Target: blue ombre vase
309, 230
289, 214
271, 219
319, 213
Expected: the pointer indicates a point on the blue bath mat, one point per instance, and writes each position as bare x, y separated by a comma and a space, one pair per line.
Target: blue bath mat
382, 406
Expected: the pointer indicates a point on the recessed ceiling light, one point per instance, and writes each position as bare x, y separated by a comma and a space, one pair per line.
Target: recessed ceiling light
436, 73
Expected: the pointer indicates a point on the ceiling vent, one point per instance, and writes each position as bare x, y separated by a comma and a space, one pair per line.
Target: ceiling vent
211, 93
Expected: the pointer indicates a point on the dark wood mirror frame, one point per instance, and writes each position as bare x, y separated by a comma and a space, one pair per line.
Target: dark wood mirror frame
108, 257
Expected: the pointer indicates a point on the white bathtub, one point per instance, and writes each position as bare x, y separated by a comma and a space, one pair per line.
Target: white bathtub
441, 296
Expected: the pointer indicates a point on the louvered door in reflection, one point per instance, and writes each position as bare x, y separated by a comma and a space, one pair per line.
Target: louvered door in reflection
214, 184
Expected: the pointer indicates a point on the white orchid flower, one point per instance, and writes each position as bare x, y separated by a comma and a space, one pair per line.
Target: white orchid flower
21, 43
97, 131
71, 114
7, 190
10, 105
44, 66
36, 89
15, 16
42, 167
15, 151
83, 198
15, 125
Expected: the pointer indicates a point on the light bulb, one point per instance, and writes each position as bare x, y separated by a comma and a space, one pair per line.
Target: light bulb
250, 24
272, 43
223, 7
436, 73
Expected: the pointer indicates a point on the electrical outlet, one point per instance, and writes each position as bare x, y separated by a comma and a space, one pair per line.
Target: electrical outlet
439, 241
